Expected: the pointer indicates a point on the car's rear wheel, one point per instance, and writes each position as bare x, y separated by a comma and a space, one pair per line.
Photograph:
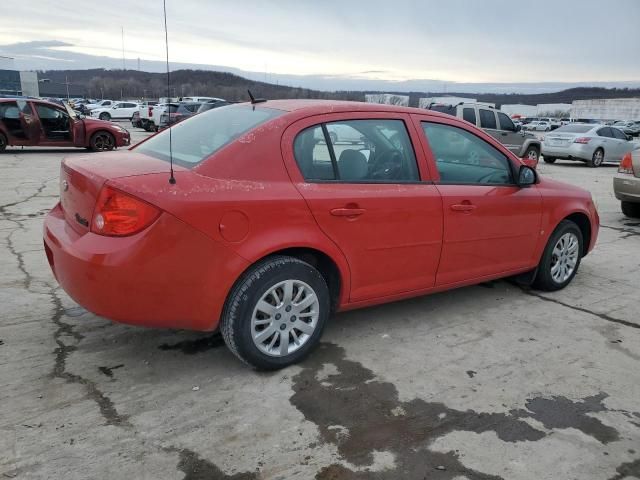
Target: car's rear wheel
3, 142
597, 159
101, 141
104, 116
532, 153
275, 314
630, 209
549, 159
561, 258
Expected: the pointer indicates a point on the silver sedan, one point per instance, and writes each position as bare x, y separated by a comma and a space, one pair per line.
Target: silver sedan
590, 143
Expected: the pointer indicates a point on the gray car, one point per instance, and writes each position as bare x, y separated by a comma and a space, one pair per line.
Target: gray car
626, 184
497, 124
590, 143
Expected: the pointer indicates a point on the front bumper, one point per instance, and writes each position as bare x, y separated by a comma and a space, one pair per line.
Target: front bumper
169, 275
626, 187
577, 151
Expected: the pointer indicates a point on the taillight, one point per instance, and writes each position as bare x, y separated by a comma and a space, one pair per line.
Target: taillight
119, 214
626, 165
583, 140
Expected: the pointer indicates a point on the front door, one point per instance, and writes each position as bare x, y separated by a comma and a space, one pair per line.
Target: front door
362, 183
490, 224
508, 135
55, 124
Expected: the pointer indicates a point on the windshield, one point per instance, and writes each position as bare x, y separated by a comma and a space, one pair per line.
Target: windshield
197, 138
574, 128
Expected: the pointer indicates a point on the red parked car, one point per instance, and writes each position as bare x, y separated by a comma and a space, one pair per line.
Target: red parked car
271, 226
30, 122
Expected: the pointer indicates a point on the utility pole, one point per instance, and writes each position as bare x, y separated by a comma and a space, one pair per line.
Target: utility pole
138, 63
123, 64
66, 82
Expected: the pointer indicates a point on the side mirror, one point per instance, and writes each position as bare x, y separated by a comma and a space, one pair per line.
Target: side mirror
526, 176
518, 128
629, 138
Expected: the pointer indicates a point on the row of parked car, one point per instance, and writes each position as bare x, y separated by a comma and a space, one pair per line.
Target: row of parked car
155, 116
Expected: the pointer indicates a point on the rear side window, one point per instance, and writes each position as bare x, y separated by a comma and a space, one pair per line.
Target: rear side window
357, 151
487, 119
469, 114
9, 110
605, 132
200, 136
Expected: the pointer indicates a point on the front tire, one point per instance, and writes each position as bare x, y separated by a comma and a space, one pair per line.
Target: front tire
102, 141
561, 258
532, 153
276, 312
630, 209
3, 142
104, 116
597, 159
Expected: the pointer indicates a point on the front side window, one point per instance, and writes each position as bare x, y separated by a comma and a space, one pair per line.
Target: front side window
506, 123
463, 158
618, 134
357, 151
202, 135
487, 119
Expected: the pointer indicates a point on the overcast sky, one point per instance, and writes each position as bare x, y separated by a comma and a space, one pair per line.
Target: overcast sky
449, 40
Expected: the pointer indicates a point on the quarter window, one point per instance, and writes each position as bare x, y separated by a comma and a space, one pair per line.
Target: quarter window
357, 151
487, 119
463, 158
469, 114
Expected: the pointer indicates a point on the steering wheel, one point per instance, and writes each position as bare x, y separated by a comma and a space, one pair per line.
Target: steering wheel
388, 166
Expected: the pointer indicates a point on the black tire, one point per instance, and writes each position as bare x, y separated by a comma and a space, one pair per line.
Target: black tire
149, 127
597, 158
549, 159
533, 153
334, 137
544, 279
104, 116
630, 209
235, 324
102, 141
3, 142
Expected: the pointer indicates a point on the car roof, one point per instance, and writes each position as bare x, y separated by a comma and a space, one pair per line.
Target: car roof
317, 107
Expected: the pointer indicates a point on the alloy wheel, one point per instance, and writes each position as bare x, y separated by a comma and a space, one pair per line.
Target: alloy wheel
103, 141
598, 158
564, 257
285, 318
532, 154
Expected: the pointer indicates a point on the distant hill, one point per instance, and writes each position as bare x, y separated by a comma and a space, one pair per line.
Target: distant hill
116, 84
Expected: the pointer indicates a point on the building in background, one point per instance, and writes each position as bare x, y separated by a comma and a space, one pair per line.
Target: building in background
520, 110
606, 109
553, 109
424, 102
388, 99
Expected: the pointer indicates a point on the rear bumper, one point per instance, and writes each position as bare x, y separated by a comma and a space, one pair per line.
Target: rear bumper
577, 151
626, 188
169, 275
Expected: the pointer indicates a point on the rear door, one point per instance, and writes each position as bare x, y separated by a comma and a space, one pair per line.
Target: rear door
608, 143
491, 225
369, 195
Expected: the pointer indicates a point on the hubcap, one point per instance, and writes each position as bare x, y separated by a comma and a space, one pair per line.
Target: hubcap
597, 157
533, 155
103, 142
284, 318
564, 257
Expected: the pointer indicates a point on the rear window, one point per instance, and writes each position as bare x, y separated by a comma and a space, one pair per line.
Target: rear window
574, 128
200, 136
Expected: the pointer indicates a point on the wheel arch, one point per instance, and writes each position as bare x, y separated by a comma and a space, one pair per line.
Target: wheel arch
581, 219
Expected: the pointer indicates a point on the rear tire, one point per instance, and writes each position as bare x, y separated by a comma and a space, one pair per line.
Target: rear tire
549, 159
280, 333
3, 142
597, 159
630, 209
532, 153
561, 258
102, 141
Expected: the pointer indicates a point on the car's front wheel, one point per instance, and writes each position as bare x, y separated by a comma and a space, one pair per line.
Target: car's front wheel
3, 142
561, 258
104, 116
275, 314
101, 141
532, 153
630, 209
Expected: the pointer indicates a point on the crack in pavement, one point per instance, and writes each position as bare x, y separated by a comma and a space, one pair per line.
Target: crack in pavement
629, 232
602, 316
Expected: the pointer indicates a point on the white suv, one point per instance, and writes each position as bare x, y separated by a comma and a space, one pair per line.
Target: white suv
118, 110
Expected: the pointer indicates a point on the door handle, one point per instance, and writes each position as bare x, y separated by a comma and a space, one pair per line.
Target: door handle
347, 212
463, 207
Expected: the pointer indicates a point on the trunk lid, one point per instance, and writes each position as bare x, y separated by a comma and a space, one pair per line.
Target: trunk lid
82, 178
561, 139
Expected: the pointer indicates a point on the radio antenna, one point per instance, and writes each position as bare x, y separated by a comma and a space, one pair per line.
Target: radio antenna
172, 179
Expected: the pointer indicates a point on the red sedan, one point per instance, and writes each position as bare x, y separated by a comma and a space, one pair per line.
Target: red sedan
29, 122
271, 225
